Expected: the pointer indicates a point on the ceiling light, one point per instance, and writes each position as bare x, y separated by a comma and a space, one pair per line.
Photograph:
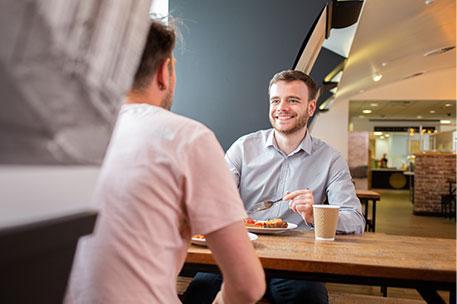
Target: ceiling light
384, 64
376, 76
377, 133
445, 121
373, 104
432, 111
419, 116
448, 105
440, 51
381, 137
366, 111
387, 135
427, 2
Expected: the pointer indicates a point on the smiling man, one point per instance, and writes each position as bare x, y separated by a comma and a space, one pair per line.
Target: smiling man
287, 162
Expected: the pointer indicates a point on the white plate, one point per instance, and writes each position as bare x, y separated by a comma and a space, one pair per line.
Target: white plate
202, 242
261, 230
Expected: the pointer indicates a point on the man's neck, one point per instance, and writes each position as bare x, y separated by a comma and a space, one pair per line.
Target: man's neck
289, 142
143, 97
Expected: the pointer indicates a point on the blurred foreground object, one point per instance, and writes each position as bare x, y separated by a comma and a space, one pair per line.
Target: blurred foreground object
64, 68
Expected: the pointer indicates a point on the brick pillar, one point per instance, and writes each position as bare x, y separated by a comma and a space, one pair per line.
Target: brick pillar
433, 170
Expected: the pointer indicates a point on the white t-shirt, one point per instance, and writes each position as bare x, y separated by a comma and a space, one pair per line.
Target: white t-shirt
163, 179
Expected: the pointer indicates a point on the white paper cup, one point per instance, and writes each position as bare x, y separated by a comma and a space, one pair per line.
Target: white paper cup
325, 220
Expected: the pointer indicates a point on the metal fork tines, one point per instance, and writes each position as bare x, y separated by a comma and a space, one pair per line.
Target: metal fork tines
265, 205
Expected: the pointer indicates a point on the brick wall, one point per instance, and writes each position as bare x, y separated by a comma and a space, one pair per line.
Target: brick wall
358, 158
433, 169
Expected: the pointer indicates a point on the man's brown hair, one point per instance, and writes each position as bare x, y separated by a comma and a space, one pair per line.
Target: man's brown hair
159, 46
291, 75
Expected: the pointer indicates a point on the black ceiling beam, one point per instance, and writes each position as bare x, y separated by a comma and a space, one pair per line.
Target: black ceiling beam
344, 13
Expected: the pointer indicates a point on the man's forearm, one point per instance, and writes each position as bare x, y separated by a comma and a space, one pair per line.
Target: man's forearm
350, 221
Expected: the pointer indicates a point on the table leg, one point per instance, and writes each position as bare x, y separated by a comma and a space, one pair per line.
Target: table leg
373, 216
430, 295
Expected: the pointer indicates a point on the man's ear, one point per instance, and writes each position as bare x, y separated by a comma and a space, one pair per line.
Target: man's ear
311, 107
163, 75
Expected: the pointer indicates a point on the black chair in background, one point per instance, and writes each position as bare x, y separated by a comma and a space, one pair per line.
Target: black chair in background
448, 201
36, 258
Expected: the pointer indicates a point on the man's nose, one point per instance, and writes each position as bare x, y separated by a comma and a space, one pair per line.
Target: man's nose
283, 105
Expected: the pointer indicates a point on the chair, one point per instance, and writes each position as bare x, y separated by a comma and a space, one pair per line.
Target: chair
448, 202
36, 258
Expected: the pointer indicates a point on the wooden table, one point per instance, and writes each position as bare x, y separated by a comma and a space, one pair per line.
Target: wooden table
426, 264
365, 197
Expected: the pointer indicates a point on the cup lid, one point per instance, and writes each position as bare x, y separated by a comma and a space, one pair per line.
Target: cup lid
326, 206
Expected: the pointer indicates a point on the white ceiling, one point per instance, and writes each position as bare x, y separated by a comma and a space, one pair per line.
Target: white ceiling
392, 38
403, 109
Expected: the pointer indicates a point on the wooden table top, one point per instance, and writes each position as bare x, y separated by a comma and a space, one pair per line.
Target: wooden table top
374, 255
368, 194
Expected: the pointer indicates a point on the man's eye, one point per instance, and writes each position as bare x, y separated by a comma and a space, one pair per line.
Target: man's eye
274, 101
294, 100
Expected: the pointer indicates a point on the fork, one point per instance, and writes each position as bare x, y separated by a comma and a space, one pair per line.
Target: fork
265, 205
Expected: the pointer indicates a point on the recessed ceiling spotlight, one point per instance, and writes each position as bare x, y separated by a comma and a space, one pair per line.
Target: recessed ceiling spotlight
419, 116
427, 2
432, 111
384, 64
445, 121
374, 104
366, 111
439, 51
448, 105
381, 137
387, 135
377, 133
376, 76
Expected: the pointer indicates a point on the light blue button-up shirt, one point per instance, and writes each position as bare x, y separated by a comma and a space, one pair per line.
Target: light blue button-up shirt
263, 172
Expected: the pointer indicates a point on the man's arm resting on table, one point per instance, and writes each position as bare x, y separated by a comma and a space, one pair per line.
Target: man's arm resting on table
341, 191
244, 278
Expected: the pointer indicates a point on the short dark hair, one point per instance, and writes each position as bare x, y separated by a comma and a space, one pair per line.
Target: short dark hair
291, 75
159, 46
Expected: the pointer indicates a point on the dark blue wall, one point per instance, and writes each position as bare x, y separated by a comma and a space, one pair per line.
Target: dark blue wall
229, 52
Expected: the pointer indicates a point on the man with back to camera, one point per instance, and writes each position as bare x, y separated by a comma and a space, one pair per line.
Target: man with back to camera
163, 179
286, 161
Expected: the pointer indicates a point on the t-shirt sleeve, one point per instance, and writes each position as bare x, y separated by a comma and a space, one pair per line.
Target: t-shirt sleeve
211, 197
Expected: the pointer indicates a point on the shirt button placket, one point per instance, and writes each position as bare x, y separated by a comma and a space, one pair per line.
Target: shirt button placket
282, 184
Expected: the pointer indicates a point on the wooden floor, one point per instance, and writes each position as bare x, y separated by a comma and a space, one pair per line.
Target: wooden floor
395, 216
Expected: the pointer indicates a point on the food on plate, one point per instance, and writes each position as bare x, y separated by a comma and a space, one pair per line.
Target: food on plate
273, 223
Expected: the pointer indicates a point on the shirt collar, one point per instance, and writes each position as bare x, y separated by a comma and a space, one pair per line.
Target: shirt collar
305, 145
270, 140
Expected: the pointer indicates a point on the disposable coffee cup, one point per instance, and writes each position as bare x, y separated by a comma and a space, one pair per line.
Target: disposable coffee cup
325, 220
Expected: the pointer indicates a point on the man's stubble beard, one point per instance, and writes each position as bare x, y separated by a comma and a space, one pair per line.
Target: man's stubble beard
301, 123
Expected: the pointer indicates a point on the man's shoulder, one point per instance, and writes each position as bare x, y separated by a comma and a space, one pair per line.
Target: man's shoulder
323, 147
258, 137
165, 117
188, 125
171, 126
190, 131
